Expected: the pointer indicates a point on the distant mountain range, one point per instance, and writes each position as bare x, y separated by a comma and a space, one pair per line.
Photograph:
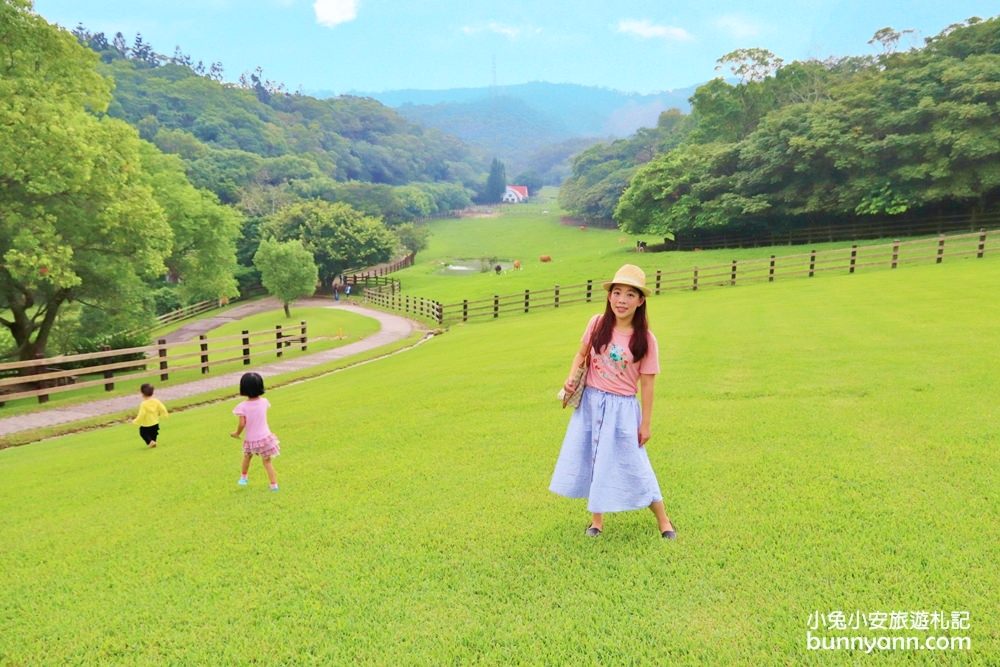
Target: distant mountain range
515, 122
580, 110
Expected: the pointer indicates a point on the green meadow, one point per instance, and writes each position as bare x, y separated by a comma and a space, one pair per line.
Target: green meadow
525, 232
822, 445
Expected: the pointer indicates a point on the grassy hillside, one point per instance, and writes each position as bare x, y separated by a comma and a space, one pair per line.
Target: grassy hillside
822, 445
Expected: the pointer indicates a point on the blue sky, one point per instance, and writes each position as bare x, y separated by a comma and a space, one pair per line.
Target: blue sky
376, 45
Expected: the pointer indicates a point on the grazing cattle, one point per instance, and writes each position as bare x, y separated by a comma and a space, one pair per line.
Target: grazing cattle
545, 258
517, 265
583, 228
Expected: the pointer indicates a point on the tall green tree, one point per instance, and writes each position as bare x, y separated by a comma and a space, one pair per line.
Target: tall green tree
496, 183
287, 270
203, 253
77, 222
338, 235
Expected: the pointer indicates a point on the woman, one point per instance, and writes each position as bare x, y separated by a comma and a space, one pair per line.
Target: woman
603, 456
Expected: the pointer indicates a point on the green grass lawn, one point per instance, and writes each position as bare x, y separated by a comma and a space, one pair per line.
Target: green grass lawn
822, 445
527, 231
324, 326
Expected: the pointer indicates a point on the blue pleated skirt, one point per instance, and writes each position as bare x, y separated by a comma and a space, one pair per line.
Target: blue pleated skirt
601, 459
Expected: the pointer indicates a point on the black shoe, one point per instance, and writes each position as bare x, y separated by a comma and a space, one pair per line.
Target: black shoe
593, 532
669, 535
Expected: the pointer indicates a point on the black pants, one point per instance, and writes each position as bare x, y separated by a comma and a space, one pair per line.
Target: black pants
149, 433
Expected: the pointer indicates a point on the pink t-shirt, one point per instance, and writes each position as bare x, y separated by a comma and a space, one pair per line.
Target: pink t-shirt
255, 411
614, 370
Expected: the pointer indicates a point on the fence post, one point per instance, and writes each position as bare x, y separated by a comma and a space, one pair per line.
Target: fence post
527, 299
43, 398
982, 242
694, 281
440, 313
812, 262
770, 270
590, 289
557, 296
246, 347
732, 274
658, 276
895, 253
161, 352
854, 257
204, 353
303, 339
465, 310
940, 252
496, 306
108, 386
277, 338
407, 303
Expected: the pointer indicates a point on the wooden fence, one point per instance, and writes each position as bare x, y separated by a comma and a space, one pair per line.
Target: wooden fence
879, 229
392, 299
737, 272
376, 273
52, 375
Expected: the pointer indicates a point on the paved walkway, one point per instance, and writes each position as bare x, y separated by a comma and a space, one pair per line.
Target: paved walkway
393, 328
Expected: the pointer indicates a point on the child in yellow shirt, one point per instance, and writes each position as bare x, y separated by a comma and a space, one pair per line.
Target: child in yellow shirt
148, 419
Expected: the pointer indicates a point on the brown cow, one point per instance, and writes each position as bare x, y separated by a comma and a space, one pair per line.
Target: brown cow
545, 258
517, 265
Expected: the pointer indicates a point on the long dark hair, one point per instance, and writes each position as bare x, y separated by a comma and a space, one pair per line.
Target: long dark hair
638, 344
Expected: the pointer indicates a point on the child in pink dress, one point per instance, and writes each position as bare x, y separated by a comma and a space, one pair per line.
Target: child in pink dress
258, 438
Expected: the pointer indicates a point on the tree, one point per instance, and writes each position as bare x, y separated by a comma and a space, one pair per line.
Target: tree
496, 183
412, 237
338, 236
76, 220
203, 253
287, 270
532, 180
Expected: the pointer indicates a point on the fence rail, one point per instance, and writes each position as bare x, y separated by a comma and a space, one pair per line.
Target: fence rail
376, 274
42, 377
831, 232
736, 272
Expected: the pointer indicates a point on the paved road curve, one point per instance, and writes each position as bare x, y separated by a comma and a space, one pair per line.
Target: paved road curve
393, 328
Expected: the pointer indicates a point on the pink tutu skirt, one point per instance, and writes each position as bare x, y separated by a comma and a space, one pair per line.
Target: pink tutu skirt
267, 446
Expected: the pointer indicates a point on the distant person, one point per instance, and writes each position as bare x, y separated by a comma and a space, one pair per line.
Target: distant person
335, 287
603, 456
148, 419
258, 439
347, 292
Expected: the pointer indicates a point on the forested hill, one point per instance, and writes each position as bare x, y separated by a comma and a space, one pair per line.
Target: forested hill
841, 140
534, 127
255, 133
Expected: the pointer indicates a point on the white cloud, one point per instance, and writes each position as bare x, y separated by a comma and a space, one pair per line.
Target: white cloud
335, 12
738, 26
648, 30
508, 31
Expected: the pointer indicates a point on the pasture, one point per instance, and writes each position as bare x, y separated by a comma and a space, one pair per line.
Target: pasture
822, 445
525, 232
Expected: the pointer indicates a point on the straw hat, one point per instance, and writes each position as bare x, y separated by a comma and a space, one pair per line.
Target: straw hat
630, 275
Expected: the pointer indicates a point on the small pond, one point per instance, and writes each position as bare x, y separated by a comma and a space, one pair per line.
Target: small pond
468, 267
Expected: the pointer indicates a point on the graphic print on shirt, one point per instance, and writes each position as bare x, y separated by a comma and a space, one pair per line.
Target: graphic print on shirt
611, 364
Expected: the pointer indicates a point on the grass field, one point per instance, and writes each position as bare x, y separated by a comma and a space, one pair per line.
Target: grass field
822, 445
